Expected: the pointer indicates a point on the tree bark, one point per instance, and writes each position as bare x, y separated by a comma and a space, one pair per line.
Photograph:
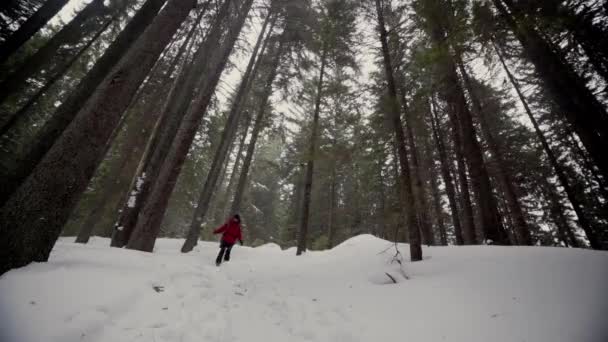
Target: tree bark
31, 220
30, 27
561, 175
395, 118
148, 223
66, 112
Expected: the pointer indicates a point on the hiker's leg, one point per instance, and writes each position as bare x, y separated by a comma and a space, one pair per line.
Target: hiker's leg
220, 255
227, 256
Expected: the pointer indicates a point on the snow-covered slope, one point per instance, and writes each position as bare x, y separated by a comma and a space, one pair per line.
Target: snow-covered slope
97, 293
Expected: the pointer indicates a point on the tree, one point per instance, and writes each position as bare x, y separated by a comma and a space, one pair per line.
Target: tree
30, 27
66, 112
395, 119
148, 224
33, 217
567, 89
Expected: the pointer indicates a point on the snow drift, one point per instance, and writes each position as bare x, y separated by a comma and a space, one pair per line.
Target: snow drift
475, 293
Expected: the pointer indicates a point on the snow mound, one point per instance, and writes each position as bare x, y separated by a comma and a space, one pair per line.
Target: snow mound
470, 293
273, 247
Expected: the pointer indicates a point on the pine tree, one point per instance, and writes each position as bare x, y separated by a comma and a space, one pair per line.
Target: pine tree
31, 220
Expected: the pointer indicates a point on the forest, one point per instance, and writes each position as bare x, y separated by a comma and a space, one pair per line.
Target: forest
427, 122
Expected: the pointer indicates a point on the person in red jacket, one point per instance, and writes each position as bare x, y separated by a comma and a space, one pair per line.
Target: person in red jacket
231, 233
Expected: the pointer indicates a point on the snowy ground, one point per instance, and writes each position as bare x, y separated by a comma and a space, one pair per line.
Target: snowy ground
473, 294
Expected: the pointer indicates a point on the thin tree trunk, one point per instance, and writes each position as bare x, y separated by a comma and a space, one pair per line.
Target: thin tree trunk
310, 164
66, 112
248, 121
566, 88
504, 180
70, 34
257, 129
225, 201
30, 27
561, 175
447, 176
331, 230
33, 217
148, 224
395, 117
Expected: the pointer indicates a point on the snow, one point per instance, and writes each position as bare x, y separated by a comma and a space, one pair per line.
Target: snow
476, 294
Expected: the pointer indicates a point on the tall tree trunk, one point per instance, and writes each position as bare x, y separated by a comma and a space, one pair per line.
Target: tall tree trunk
310, 164
257, 129
447, 176
420, 195
149, 221
395, 118
469, 234
504, 180
66, 112
561, 175
488, 212
31, 220
248, 121
331, 229
566, 88
72, 33
173, 112
30, 27
225, 203
139, 130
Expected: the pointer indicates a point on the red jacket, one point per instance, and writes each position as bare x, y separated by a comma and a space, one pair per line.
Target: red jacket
231, 230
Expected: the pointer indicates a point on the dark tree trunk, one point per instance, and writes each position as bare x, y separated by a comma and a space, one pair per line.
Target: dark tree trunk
331, 229
561, 175
151, 215
420, 195
70, 34
310, 164
30, 27
167, 126
446, 175
566, 88
138, 132
31, 220
469, 234
488, 212
395, 118
504, 179
66, 112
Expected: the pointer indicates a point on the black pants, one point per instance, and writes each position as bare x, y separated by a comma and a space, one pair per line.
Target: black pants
225, 247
